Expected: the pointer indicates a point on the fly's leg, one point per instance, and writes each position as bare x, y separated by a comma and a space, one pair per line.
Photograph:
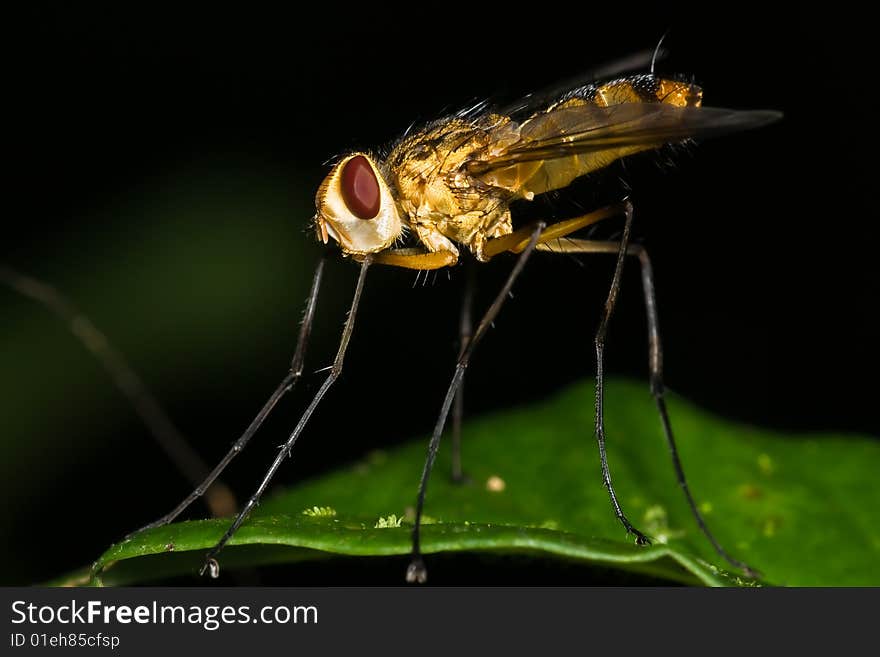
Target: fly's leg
655, 363
465, 329
290, 379
210, 564
416, 572
599, 343
413, 259
515, 242
218, 497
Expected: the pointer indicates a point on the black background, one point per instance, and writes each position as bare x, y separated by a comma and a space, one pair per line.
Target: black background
764, 243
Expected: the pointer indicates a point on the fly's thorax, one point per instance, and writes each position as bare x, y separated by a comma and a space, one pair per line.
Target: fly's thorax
435, 192
356, 207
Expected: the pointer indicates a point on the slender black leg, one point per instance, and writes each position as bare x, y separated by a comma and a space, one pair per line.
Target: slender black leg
465, 328
416, 572
655, 364
218, 497
290, 379
655, 361
211, 565
599, 342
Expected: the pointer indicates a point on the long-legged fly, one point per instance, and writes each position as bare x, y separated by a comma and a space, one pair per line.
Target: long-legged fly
447, 188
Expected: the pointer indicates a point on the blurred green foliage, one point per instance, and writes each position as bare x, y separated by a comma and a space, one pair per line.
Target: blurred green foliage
197, 276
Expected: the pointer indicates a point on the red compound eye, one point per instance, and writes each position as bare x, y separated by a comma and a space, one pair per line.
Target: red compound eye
360, 189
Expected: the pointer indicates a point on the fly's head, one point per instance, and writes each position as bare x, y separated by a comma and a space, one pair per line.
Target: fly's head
356, 207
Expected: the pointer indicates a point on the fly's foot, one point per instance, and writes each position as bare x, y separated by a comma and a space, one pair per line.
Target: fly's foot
211, 567
416, 573
641, 539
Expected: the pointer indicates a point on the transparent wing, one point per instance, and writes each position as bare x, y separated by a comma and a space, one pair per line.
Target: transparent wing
612, 131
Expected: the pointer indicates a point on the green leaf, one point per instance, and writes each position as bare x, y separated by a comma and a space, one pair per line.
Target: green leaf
802, 509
